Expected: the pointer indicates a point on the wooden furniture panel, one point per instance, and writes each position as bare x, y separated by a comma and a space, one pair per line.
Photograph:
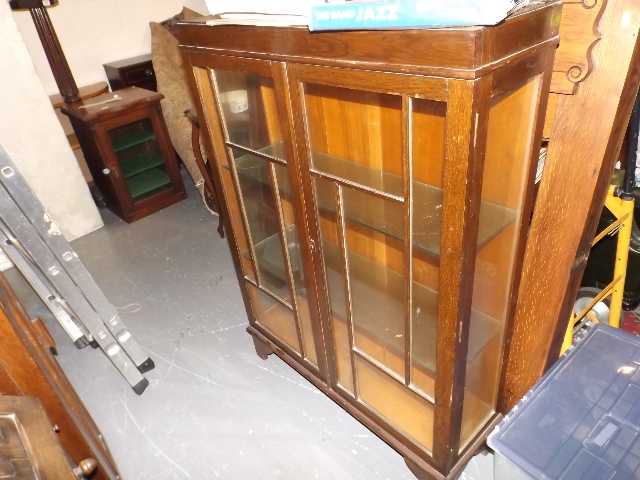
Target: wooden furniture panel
28, 367
574, 58
131, 72
453, 51
586, 137
30, 449
84, 93
377, 204
579, 34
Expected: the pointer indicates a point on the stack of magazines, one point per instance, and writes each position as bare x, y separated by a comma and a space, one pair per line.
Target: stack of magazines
406, 14
365, 14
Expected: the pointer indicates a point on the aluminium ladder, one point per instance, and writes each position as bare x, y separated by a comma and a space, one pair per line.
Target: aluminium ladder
38, 249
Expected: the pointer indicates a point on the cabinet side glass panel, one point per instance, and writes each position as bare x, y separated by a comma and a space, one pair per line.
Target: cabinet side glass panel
263, 222
325, 193
248, 104
206, 92
297, 268
428, 122
511, 127
276, 317
356, 135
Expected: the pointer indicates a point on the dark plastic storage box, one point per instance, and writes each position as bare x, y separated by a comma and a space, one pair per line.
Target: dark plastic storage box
581, 420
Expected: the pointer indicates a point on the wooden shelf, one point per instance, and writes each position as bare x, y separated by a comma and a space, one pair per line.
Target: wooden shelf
128, 140
375, 213
140, 163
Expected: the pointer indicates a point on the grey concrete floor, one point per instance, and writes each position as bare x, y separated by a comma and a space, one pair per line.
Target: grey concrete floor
213, 408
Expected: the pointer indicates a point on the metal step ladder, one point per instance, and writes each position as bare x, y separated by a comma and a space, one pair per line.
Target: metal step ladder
36, 246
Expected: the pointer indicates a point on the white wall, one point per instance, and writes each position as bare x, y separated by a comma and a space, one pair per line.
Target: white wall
33, 137
93, 32
295, 7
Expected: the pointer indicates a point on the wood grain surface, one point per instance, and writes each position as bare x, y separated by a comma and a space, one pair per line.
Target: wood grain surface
36, 443
585, 139
94, 109
467, 121
467, 52
27, 367
578, 36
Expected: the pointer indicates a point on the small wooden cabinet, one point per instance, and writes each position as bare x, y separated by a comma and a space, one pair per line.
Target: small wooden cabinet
128, 151
131, 72
377, 188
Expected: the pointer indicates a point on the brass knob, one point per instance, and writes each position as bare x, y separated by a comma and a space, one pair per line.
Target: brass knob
88, 465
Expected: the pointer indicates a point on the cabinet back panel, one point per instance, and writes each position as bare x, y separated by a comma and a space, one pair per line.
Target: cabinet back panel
275, 317
427, 135
359, 126
509, 139
409, 412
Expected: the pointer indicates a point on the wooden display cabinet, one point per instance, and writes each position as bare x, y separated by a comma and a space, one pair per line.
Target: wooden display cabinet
377, 188
128, 150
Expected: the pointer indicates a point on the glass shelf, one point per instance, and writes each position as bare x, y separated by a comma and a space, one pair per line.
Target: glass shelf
269, 255
381, 324
124, 141
147, 181
140, 163
427, 200
271, 262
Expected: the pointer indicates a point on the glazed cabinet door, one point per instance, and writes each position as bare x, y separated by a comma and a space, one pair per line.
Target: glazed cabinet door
140, 161
244, 106
378, 218
394, 176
